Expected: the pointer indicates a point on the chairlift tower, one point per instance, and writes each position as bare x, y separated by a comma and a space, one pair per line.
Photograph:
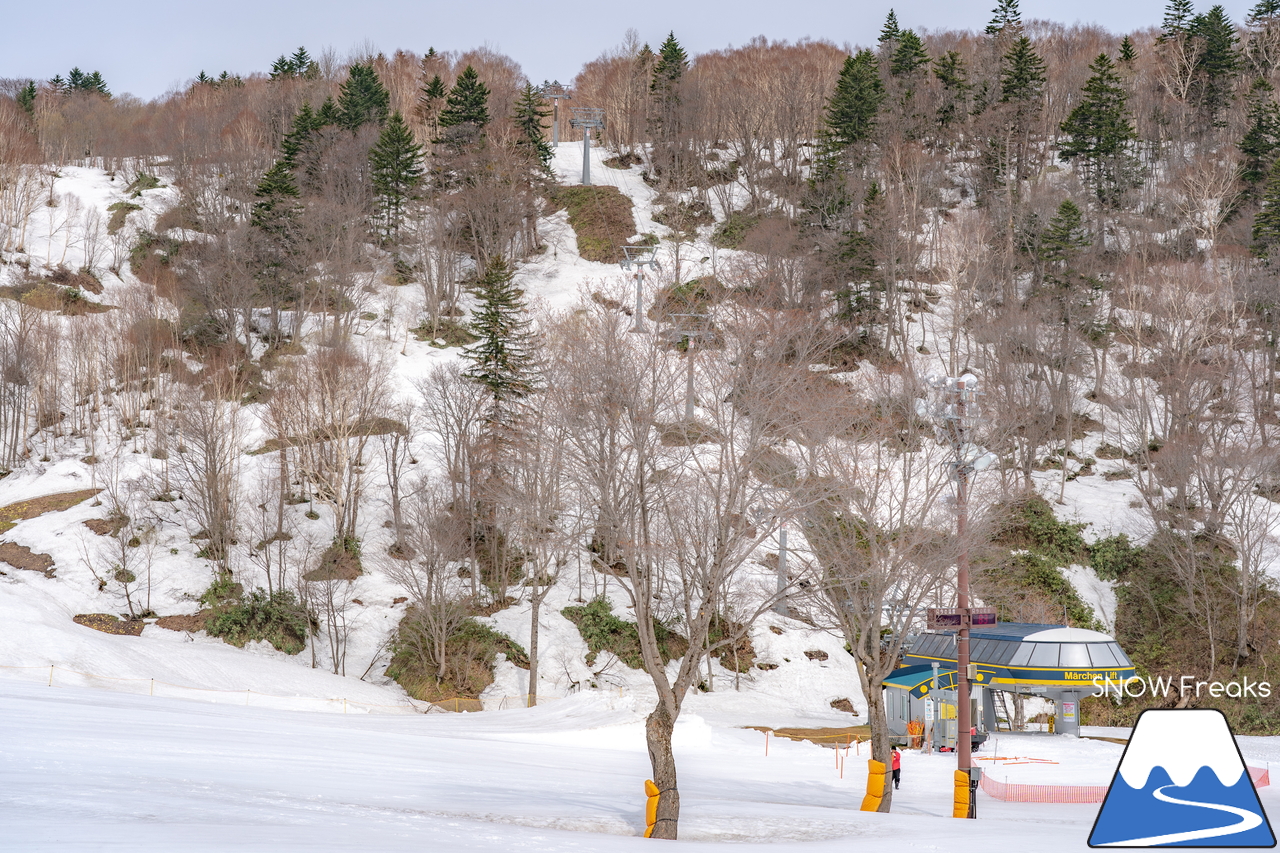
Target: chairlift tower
587, 118
691, 332
639, 257
556, 92
955, 415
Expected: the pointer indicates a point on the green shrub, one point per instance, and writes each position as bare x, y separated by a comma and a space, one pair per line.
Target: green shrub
1112, 558
730, 233
141, 183
1032, 525
278, 618
120, 211
604, 632
470, 653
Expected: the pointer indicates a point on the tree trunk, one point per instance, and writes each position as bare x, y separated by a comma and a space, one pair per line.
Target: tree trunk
536, 602
657, 729
881, 749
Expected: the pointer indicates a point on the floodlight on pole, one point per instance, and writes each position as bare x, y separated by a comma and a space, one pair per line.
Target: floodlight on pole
956, 415
639, 257
587, 118
556, 92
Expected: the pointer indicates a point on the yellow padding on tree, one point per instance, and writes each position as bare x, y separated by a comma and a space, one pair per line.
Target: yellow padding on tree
870, 803
960, 803
651, 806
874, 766
960, 810
875, 785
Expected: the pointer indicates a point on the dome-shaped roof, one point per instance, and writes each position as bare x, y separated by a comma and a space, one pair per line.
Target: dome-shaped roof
1068, 635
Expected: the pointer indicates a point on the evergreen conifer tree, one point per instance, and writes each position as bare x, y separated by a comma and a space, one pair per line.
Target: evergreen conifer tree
1261, 141
27, 98
76, 80
1004, 15
395, 168
1266, 225
94, 83
1098, 131
1128, 53
1062, 240
954, 77
909, 54
467, 107
328, 114
362, 99
1219, 59
277, 195
1022, 73
281, 68
528, 117
855, 103
890, 31
298, 139
1177, 20
671, 65
502, 359
668, 70
274, 238
58, 85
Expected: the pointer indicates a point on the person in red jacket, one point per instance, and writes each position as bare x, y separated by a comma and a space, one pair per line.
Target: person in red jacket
897, 768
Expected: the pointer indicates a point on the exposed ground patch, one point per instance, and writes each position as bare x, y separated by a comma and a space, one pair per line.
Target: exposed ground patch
601, 218
109, 624
22, 557
33, 507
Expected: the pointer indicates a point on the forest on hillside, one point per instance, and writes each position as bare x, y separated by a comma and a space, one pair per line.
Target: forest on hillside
1086, 222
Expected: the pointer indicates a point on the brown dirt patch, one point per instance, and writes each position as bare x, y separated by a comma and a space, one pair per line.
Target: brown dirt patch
109, 624
189, 623
373, 426
23, 510
22, 557
818, 654
106, 526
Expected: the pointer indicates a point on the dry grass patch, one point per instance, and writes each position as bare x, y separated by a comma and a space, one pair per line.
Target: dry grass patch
373, 426
601, 218
33, 507
190, 623
833, 737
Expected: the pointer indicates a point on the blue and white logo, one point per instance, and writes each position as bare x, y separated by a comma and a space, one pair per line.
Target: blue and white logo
1182, 783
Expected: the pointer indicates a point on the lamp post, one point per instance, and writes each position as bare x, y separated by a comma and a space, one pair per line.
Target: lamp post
956, 414
639, 257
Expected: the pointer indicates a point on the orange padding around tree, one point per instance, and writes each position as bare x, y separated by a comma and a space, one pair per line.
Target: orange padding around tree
875, 786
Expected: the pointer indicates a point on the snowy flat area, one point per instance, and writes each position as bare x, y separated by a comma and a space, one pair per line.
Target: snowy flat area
84, 769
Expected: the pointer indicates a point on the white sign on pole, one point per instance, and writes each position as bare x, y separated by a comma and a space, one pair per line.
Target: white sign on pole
1068, 712
928, 710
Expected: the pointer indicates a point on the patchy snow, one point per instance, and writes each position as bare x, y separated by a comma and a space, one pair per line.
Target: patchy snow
1099, 594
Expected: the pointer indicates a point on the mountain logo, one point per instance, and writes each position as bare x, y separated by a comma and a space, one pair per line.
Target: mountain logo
1182, 783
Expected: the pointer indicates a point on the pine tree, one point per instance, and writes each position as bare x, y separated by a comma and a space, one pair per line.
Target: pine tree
1177, 20
277, 195
328, 114
395, 168
528, 118
1022, 73
1099, 132
1266, 225
1219, 60
94, 83
1062, 240
1004, 15
298, 139
1128, 53
281, 68
909, 55
954, 77
855, 103
671, 65
362, 99
502, 359
890, 31
304, 65
1261, 142
57, 85
27, 97
76, 80
467, 107
860, 301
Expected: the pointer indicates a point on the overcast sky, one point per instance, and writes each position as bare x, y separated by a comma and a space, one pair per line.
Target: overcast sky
147, 48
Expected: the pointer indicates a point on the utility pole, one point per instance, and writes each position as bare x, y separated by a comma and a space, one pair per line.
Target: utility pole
688, 335
639, 257
556, 92
957, 415
587, 118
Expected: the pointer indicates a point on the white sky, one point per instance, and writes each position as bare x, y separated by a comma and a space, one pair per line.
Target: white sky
146, 47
